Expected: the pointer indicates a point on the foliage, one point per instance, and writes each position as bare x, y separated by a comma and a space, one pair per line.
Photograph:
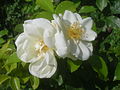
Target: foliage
100, 72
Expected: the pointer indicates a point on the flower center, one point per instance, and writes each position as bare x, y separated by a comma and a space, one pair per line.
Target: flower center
75, 31
41, 48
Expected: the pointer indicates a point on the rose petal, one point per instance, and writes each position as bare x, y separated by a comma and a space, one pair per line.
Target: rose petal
89, 35
74, 49
79, 18
89, 46
25, 48
85, 52
69, 16
61, 44
35, 28
44, 67
21, 38
87, 23
49, 38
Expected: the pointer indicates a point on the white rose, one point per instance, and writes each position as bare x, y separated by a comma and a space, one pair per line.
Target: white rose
72, 36
32, 49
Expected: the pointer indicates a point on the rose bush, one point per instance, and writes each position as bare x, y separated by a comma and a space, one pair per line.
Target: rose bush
59, 45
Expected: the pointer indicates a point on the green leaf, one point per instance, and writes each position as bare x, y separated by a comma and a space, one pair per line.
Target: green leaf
11, 67
101, 4
117, 72
66, 5
15, 83
3, 32
19, 28
23, 64
99, 65
113, 22
116, 87
74, 65
4, 49
46, 5
87, 9
117, 49
34, 82
2, 41
44, 14
25, 79
59, 79
115, 7
12, 59
3, 78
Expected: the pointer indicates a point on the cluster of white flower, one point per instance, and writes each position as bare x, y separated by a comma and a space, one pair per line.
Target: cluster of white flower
67, 35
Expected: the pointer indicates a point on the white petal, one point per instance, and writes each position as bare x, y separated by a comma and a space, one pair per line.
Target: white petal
87, 23
49, 38
85, 52
69, 16
44, 67
89, 46
21, 38
79, 18
25, 48
36, 27
60, 15
89, 35
74, 49
26, 55
61, 44
58, 23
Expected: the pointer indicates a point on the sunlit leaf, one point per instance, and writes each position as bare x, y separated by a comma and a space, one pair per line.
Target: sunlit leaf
99, 65
74, 65
15, 83
34, 82
46, 5
117, 72
101, 4
44, 14
3, 78
12, 59
66, 5
87, 9
3, 32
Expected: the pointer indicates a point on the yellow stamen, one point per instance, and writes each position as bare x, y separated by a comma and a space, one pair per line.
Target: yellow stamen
41, 48
75, 31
